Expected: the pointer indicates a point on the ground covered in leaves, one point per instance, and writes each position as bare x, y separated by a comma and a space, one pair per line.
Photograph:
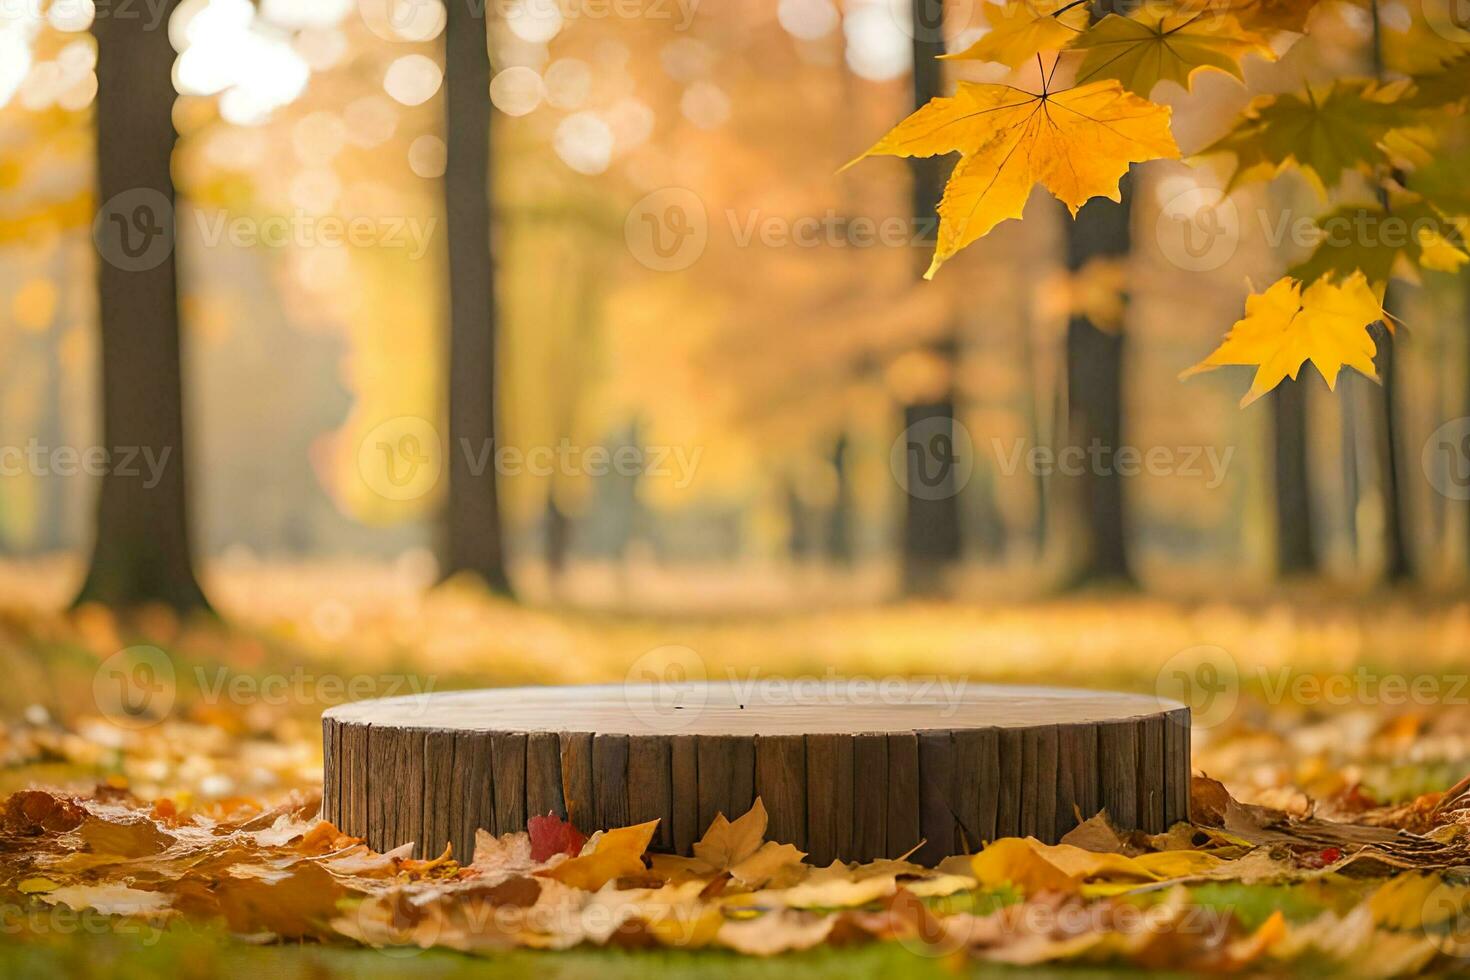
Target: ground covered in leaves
1331, 828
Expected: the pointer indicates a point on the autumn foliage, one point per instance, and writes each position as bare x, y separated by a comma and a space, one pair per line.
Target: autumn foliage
1087, 115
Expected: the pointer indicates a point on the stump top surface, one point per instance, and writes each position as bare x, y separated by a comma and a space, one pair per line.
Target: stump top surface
769, 707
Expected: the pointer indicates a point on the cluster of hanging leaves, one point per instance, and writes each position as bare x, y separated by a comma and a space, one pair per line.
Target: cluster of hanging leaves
1078, 139
1101, 895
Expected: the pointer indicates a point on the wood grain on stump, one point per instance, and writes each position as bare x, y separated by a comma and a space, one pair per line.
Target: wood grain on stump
846, 770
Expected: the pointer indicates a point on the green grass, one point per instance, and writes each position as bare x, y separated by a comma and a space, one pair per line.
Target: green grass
192, 955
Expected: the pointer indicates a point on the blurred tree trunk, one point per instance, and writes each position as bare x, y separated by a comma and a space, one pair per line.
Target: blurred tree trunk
473, 533
799, 522
931, 526
838, 536
1296, 550
1397, 566
558, 537
142, 551
1095, 400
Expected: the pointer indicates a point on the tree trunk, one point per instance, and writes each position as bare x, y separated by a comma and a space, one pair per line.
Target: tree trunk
931, 532
558, 537
800, 539
473, 530
1397, 566
931, 529
1095, 401
838, 537
1296, 552
142, 551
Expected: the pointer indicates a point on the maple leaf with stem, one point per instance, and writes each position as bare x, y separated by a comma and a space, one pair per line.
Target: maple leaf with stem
1152, 45
1322, 135
737, 846
1077, 142
1020, 31
1287, 325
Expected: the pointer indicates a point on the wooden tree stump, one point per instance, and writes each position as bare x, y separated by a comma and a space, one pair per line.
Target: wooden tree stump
846, 770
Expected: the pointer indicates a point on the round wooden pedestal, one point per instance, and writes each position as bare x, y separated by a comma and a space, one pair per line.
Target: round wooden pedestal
847, 769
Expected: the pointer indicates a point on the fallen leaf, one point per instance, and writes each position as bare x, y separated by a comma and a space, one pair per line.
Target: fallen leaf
552, 835
616, 853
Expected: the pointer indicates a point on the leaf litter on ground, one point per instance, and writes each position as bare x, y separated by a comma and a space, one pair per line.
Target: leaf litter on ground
1103, 894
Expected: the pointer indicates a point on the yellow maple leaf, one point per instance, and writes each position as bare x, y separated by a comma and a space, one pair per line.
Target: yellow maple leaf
1153, 45
1272, 15
1077, 142
1287, 325
1439, 253
1024, 28
1032, 866
726, 843
737, 846
615, 854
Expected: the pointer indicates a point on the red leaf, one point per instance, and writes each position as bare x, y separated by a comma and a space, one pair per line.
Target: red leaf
553, 835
